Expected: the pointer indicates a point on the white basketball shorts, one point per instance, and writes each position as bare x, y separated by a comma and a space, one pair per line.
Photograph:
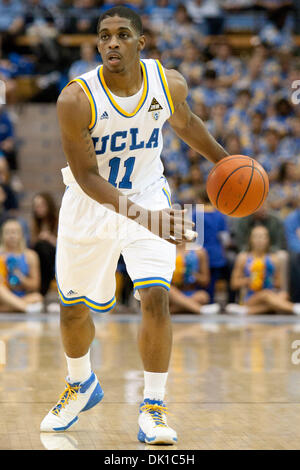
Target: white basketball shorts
91, 239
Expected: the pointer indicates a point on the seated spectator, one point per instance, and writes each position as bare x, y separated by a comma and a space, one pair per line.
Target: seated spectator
263, 216
44, 234
271, 154
190, 65
277, 31
190, 182
8, 139
216, 123
255, 133
216, 236
207, 92
292, 232
283, 114
253, 80
10, 201
180, 28
160, 13
11, 16
88, 61
19, 272
207, 14
11, 181
40, 23
228, 67
84, 17
284, 191
257, 274
191, 276
238, 115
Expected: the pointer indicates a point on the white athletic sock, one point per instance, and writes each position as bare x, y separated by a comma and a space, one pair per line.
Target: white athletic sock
79, 368
155, 384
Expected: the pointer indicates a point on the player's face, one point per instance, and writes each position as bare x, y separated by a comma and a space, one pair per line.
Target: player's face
119, 44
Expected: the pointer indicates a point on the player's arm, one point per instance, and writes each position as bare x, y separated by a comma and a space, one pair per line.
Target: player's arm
187, 125
74, 116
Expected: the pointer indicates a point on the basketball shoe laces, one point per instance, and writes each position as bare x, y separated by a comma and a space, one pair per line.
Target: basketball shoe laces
157, 413
70, 393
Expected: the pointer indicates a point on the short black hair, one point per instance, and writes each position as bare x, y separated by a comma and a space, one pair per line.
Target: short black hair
123, 12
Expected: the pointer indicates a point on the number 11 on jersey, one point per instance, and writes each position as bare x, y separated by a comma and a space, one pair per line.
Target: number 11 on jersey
114, 164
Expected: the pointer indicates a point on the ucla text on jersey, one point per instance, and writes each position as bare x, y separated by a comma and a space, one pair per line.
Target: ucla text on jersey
128, 145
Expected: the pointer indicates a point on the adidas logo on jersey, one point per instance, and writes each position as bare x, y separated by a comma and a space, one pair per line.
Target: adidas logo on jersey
104, 115
71, 292
154, 106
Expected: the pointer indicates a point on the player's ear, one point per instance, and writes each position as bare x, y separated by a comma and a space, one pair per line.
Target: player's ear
141, 42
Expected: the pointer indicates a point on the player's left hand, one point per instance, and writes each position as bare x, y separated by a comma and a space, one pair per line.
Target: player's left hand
173, 226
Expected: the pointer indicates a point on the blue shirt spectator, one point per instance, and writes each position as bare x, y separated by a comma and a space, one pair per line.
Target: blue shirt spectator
11, 16
87, 62
161, 13
6, 126
292, 231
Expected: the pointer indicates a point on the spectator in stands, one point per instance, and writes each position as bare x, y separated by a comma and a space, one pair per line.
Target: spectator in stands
254, 133
253, 80
19, 272
271, 155
216, 238
10, 202
160, 13
8, 139
84, 17
292, 232
190, 65
181, 28
11, 16
40, 23
227, 67
264, 217
257, 274
283, 114
207, 92
191, 276
216, 123
190, 182
44, 234
238, 115
207, 14
233, 144
283, 195
277, 31
88, 61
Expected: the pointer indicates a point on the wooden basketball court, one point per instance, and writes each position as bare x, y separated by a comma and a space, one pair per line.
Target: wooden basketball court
234, 383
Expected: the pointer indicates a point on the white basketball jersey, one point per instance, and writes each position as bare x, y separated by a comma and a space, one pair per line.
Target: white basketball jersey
128, 145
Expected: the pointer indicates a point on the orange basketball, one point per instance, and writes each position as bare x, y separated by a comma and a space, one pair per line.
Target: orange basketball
237, 185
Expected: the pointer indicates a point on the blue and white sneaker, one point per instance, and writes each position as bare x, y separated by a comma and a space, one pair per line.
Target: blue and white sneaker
77, 397
153, 424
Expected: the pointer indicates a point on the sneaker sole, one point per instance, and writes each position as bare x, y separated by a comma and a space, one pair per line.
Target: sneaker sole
94, 399
142, 437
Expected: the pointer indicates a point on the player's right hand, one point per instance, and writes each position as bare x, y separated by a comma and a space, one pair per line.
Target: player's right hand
172, 225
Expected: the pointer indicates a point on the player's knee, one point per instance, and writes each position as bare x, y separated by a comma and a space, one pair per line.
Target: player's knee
155, 302
73, 313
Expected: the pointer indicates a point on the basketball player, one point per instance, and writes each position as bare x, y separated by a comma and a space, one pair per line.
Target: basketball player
111, 125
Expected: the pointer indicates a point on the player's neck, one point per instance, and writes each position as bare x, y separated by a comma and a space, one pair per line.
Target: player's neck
125, 83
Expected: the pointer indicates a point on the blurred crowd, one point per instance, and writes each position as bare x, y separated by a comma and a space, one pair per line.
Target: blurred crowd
248, 100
